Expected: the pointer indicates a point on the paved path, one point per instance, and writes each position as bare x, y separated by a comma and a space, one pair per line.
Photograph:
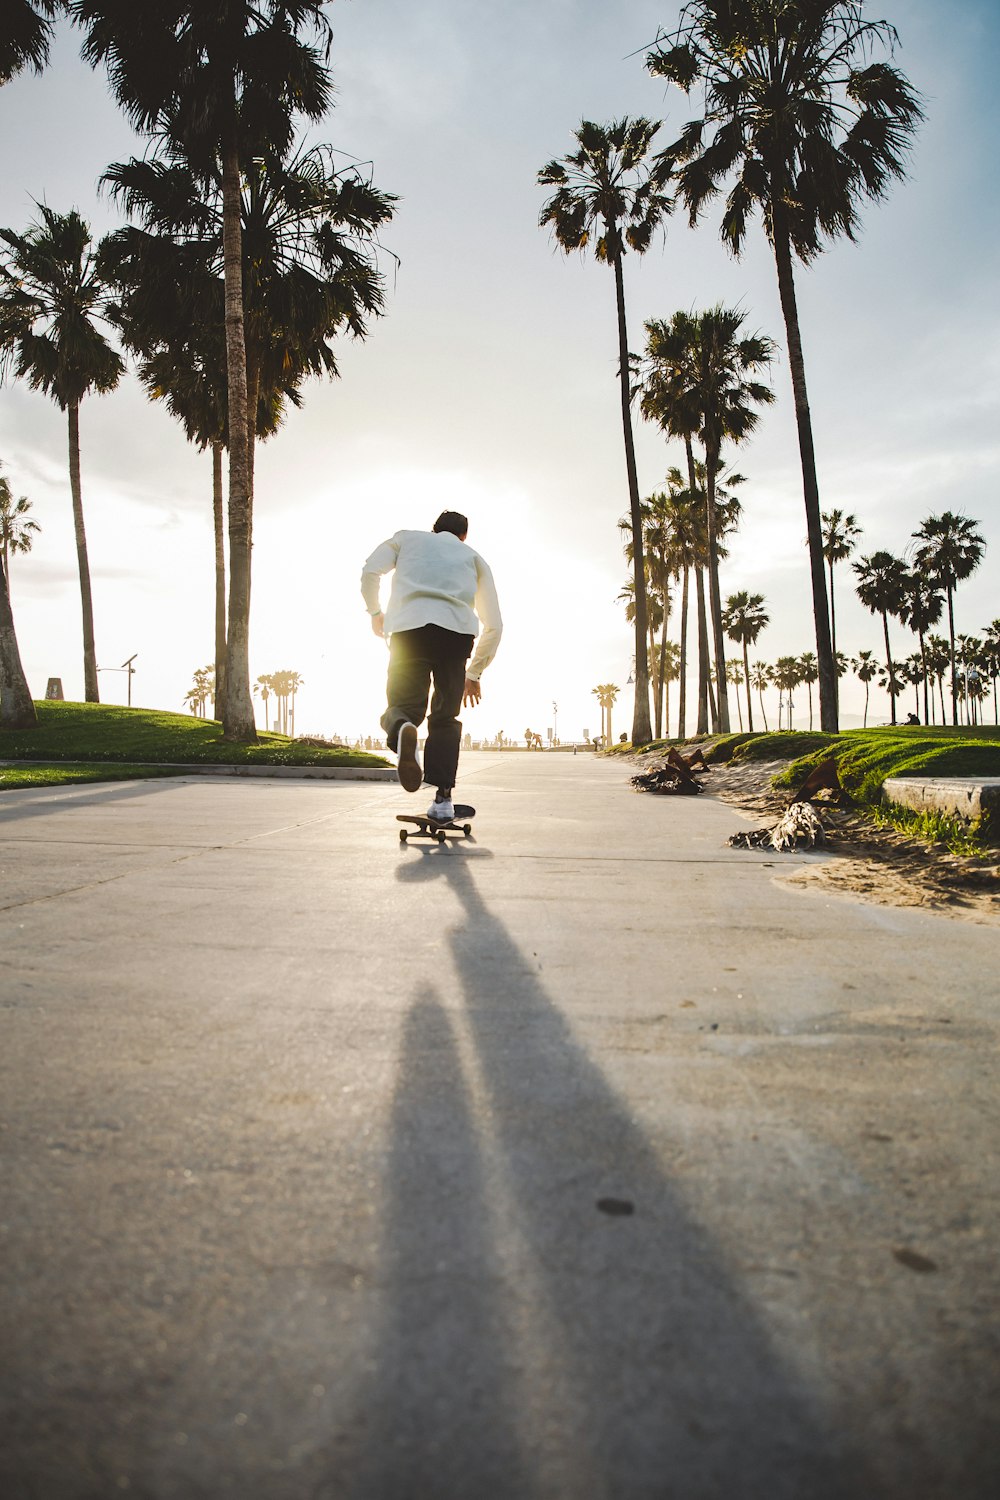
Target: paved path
582, 1162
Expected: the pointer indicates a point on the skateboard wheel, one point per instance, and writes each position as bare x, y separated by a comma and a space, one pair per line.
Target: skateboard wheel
440, 835
467, 830
403, 835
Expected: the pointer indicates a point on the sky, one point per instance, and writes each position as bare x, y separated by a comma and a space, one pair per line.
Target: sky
490, 385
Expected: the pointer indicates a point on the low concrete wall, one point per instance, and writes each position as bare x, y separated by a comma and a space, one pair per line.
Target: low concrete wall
970, 797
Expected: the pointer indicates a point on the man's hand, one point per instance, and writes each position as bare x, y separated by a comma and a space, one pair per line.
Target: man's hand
473, 692
377, 623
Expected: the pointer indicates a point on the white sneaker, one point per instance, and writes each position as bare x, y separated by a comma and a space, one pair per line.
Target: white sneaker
441, 812
408, 768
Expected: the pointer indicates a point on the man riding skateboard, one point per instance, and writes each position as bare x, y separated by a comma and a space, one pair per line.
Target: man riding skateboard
442, 591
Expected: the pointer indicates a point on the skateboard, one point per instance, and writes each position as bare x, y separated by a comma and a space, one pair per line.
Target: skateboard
430, 828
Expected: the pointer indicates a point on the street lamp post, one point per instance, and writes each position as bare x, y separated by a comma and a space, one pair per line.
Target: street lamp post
126, 666
555, 723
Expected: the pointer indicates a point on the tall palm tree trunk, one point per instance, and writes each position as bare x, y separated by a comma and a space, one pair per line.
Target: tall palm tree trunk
703, 663
641, 728
951, 643
807, 454
923, 669
90, 692
237, 708
663, 704
763, 710
746, 679
220, 578
682, 689
888, 662
16, 708
657, 683
714, 596
833, 643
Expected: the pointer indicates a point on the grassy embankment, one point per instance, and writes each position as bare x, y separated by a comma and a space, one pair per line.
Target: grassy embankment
868, 757
104, 742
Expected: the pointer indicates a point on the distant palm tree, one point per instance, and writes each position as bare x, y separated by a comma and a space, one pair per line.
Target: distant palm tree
684, 522
991, 653
607, 197
969, 650
51, 297
700, 371
760, 678
949, 549
866, 668
795, 106
606, 693
808, 673
744, 617
25, 34
922, 607
786, 675
840, 534
655, 618
938, 653
17, 529
265, 686
882, 584
736, 679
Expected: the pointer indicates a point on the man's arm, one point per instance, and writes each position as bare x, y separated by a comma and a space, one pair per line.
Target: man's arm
488, 610
382, 560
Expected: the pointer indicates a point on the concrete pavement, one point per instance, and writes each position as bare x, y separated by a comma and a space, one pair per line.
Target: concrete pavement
586, 1161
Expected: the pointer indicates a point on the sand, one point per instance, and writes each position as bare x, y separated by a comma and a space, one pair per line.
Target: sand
877, 864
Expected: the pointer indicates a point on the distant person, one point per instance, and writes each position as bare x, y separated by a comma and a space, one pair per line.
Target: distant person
912, 719
442, 591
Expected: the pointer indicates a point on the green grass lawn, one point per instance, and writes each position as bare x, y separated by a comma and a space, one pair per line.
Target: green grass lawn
121, 739
75, 772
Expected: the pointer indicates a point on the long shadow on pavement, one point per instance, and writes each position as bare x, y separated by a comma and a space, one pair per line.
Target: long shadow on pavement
82, 796
643, 1372
440, 1413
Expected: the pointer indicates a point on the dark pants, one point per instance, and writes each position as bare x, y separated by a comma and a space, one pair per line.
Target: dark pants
416, 656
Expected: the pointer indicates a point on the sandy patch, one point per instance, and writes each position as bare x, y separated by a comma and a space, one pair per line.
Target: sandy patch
877, 864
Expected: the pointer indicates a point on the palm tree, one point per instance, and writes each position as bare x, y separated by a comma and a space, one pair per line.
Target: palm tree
991, 655
222, 82
683, 521
51, 295
265, 685
25, 34
786, 675
736, 679
606, 195
17, 529
760, 677
950, 550
882, 585
921, 608
655, 617
744, 617
865, 668
840, 534
16, 708
938, 653
606, 693
808, 673
698, 382
796, 107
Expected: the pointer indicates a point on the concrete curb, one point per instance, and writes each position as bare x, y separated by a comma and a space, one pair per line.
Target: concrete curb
968, 797
309, 773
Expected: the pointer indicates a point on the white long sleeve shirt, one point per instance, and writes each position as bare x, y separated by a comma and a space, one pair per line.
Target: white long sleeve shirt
437, 580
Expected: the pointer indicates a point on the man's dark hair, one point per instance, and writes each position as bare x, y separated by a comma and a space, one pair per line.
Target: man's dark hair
450, 520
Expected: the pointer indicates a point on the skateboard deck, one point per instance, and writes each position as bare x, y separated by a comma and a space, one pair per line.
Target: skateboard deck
431, 828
